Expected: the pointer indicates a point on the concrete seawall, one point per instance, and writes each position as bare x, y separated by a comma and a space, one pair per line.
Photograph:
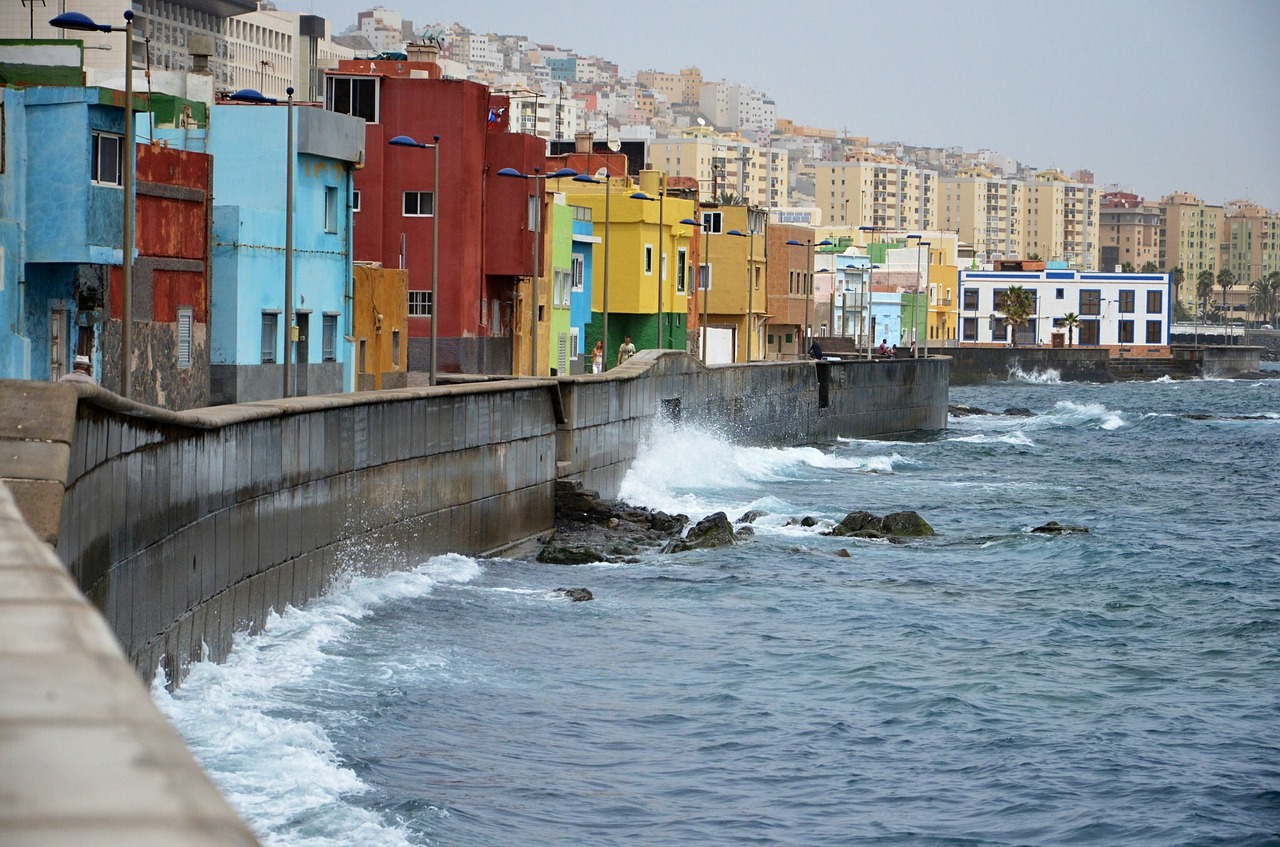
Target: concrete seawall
184, 528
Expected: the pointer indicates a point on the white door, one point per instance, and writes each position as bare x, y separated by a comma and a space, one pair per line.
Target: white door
57, 343
720, 342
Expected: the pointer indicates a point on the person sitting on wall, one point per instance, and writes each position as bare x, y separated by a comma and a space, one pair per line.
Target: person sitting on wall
815, 350
883, 349
81, 371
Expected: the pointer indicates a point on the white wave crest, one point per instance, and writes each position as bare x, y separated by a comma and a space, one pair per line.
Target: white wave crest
1048, 376
254, 736
1068, 413
1017, 438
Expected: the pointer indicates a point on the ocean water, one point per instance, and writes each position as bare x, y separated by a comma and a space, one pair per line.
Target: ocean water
987, 686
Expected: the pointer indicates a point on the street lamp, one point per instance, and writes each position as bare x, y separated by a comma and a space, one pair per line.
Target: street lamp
808, 294
751, 258
915, 321
539, 181
702, 256
604, 323
83, 23
249, 95
406, 141
874, 229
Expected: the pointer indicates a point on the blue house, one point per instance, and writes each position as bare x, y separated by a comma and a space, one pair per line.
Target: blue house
248, 331
60, 227
580, 296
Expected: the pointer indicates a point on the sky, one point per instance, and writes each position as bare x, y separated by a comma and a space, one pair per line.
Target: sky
1153, 95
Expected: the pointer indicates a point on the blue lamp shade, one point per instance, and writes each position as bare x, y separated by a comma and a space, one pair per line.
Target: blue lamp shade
826, 242
690, 222
563, 173
586, 178
793, 243
737, 233
403, 141
79, 22
503, 172
250, 95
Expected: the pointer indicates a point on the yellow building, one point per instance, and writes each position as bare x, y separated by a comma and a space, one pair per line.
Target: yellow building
724, 163
650, 255
380, 326
1050, 216
1252, 238
876, 191
1191, 237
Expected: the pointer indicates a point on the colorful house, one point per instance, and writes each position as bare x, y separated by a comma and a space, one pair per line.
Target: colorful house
580, 294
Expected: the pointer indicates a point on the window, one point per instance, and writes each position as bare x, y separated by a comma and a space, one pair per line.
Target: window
704, 277
356, 96
270, 329
662, 267
1125, 332
185, 317
711, 221
330, 209
1087, 332
563, 283
575, 345
1155, 331
1060, 294
355, 201
419, 204
1126, 302
420, 304
363, 356
395, 348
970, 329
971, 299
579, 270
107, 164
1155, 302
329, 337
648, 259
1090, 303
682, 270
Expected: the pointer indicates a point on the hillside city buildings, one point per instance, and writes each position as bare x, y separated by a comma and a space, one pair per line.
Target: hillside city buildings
320, 211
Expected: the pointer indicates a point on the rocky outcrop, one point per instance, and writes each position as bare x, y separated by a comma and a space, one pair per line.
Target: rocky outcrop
591, 529
576, 595
863, 524
1055, 528
710, 532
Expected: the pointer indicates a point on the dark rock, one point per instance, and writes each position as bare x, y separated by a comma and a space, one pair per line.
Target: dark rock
961, 411
863, 524
808, 520
844, 553
744, 532
751, 516
577, 595
591, 529
710, 532
906, 524
1019, 412
1055, 528
1197, 416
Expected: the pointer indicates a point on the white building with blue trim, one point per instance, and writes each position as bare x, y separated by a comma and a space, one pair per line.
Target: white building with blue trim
1113, 309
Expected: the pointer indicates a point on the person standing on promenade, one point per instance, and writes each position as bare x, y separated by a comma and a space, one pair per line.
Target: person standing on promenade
626, 350
597, 358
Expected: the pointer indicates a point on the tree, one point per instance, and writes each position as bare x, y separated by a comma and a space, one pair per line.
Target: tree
1019, 304
1150, 267
1177, 276
1070, 320
1264, 297
1033, 257
731, 198
1126, 268
1226, 279
1204, 289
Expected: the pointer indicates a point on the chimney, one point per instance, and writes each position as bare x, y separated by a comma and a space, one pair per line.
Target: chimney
424, 53
582, 142
201, 48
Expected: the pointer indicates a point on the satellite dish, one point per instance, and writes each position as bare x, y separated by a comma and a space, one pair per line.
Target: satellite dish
701, 122
614, 144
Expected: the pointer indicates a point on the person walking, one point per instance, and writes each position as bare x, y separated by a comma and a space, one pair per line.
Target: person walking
626, 350
81, 371
597, 358
815, 350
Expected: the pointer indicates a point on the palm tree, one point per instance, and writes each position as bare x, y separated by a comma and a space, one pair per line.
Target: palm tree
1150, 267
1126, 268
1177, 276
1070, 320
1226, 279
1264, 297
1204, 290
1019, 304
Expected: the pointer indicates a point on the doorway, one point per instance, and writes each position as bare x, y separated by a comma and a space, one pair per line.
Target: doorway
302, 355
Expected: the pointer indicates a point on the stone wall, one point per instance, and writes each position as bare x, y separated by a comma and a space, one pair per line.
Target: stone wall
979, 365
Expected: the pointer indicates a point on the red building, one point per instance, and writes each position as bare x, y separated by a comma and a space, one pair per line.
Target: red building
486, 247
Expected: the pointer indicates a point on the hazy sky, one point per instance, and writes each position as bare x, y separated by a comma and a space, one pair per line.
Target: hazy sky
1157, 95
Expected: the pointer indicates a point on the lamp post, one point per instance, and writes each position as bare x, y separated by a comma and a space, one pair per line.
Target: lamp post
83, 23
697, 284
808, 294
406, 141
604, 322
751, 260
874, 229
249, 95
539, 181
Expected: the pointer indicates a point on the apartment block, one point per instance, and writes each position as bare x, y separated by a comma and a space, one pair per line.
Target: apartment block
1128, 231
1191, 236
1251, 236
724, 163
876, 191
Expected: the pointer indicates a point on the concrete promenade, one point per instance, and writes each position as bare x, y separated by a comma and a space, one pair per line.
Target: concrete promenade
181, 529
